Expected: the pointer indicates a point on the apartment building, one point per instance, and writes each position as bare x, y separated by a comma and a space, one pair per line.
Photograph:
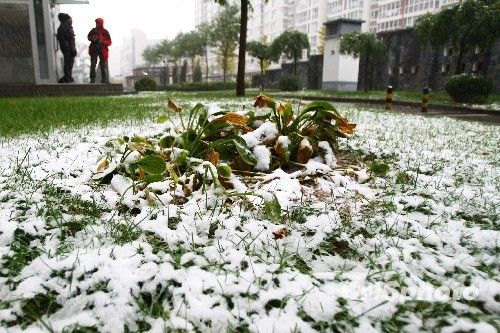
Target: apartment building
269, 20
391, 15
132, 49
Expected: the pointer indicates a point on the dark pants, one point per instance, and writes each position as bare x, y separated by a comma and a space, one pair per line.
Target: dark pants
68, 67
104, 68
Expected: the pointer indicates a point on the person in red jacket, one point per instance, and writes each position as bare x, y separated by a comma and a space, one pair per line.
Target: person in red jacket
100, 40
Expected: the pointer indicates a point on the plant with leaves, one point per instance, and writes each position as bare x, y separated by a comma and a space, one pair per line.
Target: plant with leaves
291, 44
261, 51
469, 24
363, 45
224, 37
314, 130
203, 150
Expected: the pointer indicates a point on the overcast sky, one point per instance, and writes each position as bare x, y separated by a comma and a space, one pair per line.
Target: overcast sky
157, 18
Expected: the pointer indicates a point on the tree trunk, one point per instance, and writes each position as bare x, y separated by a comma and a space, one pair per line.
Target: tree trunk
167, 75
295, 61
262, 77
206, 64
240, 80
192, 69
224, 68
367, 56
487, 61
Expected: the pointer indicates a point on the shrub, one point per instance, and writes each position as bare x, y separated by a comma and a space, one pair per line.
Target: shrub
290, 83
183, 74
145, 83
469, 88
198, 74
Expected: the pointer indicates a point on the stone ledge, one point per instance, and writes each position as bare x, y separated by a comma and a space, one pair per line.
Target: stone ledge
18, 90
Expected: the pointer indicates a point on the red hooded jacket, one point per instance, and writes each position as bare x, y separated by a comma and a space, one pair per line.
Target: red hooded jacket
99, 37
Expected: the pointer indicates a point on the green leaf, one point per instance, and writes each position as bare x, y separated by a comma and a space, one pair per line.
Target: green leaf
224, 170
139, 139
153, 178
161, 119
214, 127
182, 157
380, 169
167, 141
172, 173
152, 164
225, 148
320, 105
244, 152
194, 111
272, 209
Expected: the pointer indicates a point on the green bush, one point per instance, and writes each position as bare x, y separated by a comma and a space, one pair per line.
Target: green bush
145, 84
290, 83
469, 88
198, 74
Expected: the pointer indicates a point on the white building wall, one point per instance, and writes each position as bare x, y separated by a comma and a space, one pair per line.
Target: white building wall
269, 20
350, 9
132, 49
391, 15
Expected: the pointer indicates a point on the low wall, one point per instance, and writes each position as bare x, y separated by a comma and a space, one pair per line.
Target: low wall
410, 66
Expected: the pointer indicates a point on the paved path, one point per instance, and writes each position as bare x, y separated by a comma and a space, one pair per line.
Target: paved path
459, 112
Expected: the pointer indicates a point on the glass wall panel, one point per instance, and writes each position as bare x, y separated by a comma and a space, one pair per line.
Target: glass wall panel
41, 40
16, 58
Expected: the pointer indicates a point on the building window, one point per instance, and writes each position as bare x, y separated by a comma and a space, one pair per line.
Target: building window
401, 70
445, 68
314, 15
476, 67
448, 52
389, 71
413, 69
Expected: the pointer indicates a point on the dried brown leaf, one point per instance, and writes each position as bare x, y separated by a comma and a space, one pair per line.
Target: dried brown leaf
304, 153
280, 232
263, 101
345, 127
213, 157
173, 106
103, 165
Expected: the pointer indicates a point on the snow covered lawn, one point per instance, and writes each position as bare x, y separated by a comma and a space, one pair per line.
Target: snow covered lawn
402, 236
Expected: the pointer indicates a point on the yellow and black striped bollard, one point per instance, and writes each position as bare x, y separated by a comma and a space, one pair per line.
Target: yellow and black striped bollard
425, 99
388, 98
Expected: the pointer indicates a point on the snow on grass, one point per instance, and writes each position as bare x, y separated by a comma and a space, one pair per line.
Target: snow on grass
413, 248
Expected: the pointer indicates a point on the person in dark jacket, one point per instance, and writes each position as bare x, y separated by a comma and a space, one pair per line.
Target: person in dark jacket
66, 38
100, 40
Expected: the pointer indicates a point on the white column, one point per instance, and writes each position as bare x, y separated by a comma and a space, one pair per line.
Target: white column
340, 72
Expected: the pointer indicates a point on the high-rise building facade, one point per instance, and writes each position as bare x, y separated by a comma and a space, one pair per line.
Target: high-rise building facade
267, 20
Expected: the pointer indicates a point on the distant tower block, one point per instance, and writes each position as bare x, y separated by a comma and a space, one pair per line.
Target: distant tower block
340, 73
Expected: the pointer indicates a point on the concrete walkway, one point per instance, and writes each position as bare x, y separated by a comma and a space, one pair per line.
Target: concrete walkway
71, 89
460, 112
